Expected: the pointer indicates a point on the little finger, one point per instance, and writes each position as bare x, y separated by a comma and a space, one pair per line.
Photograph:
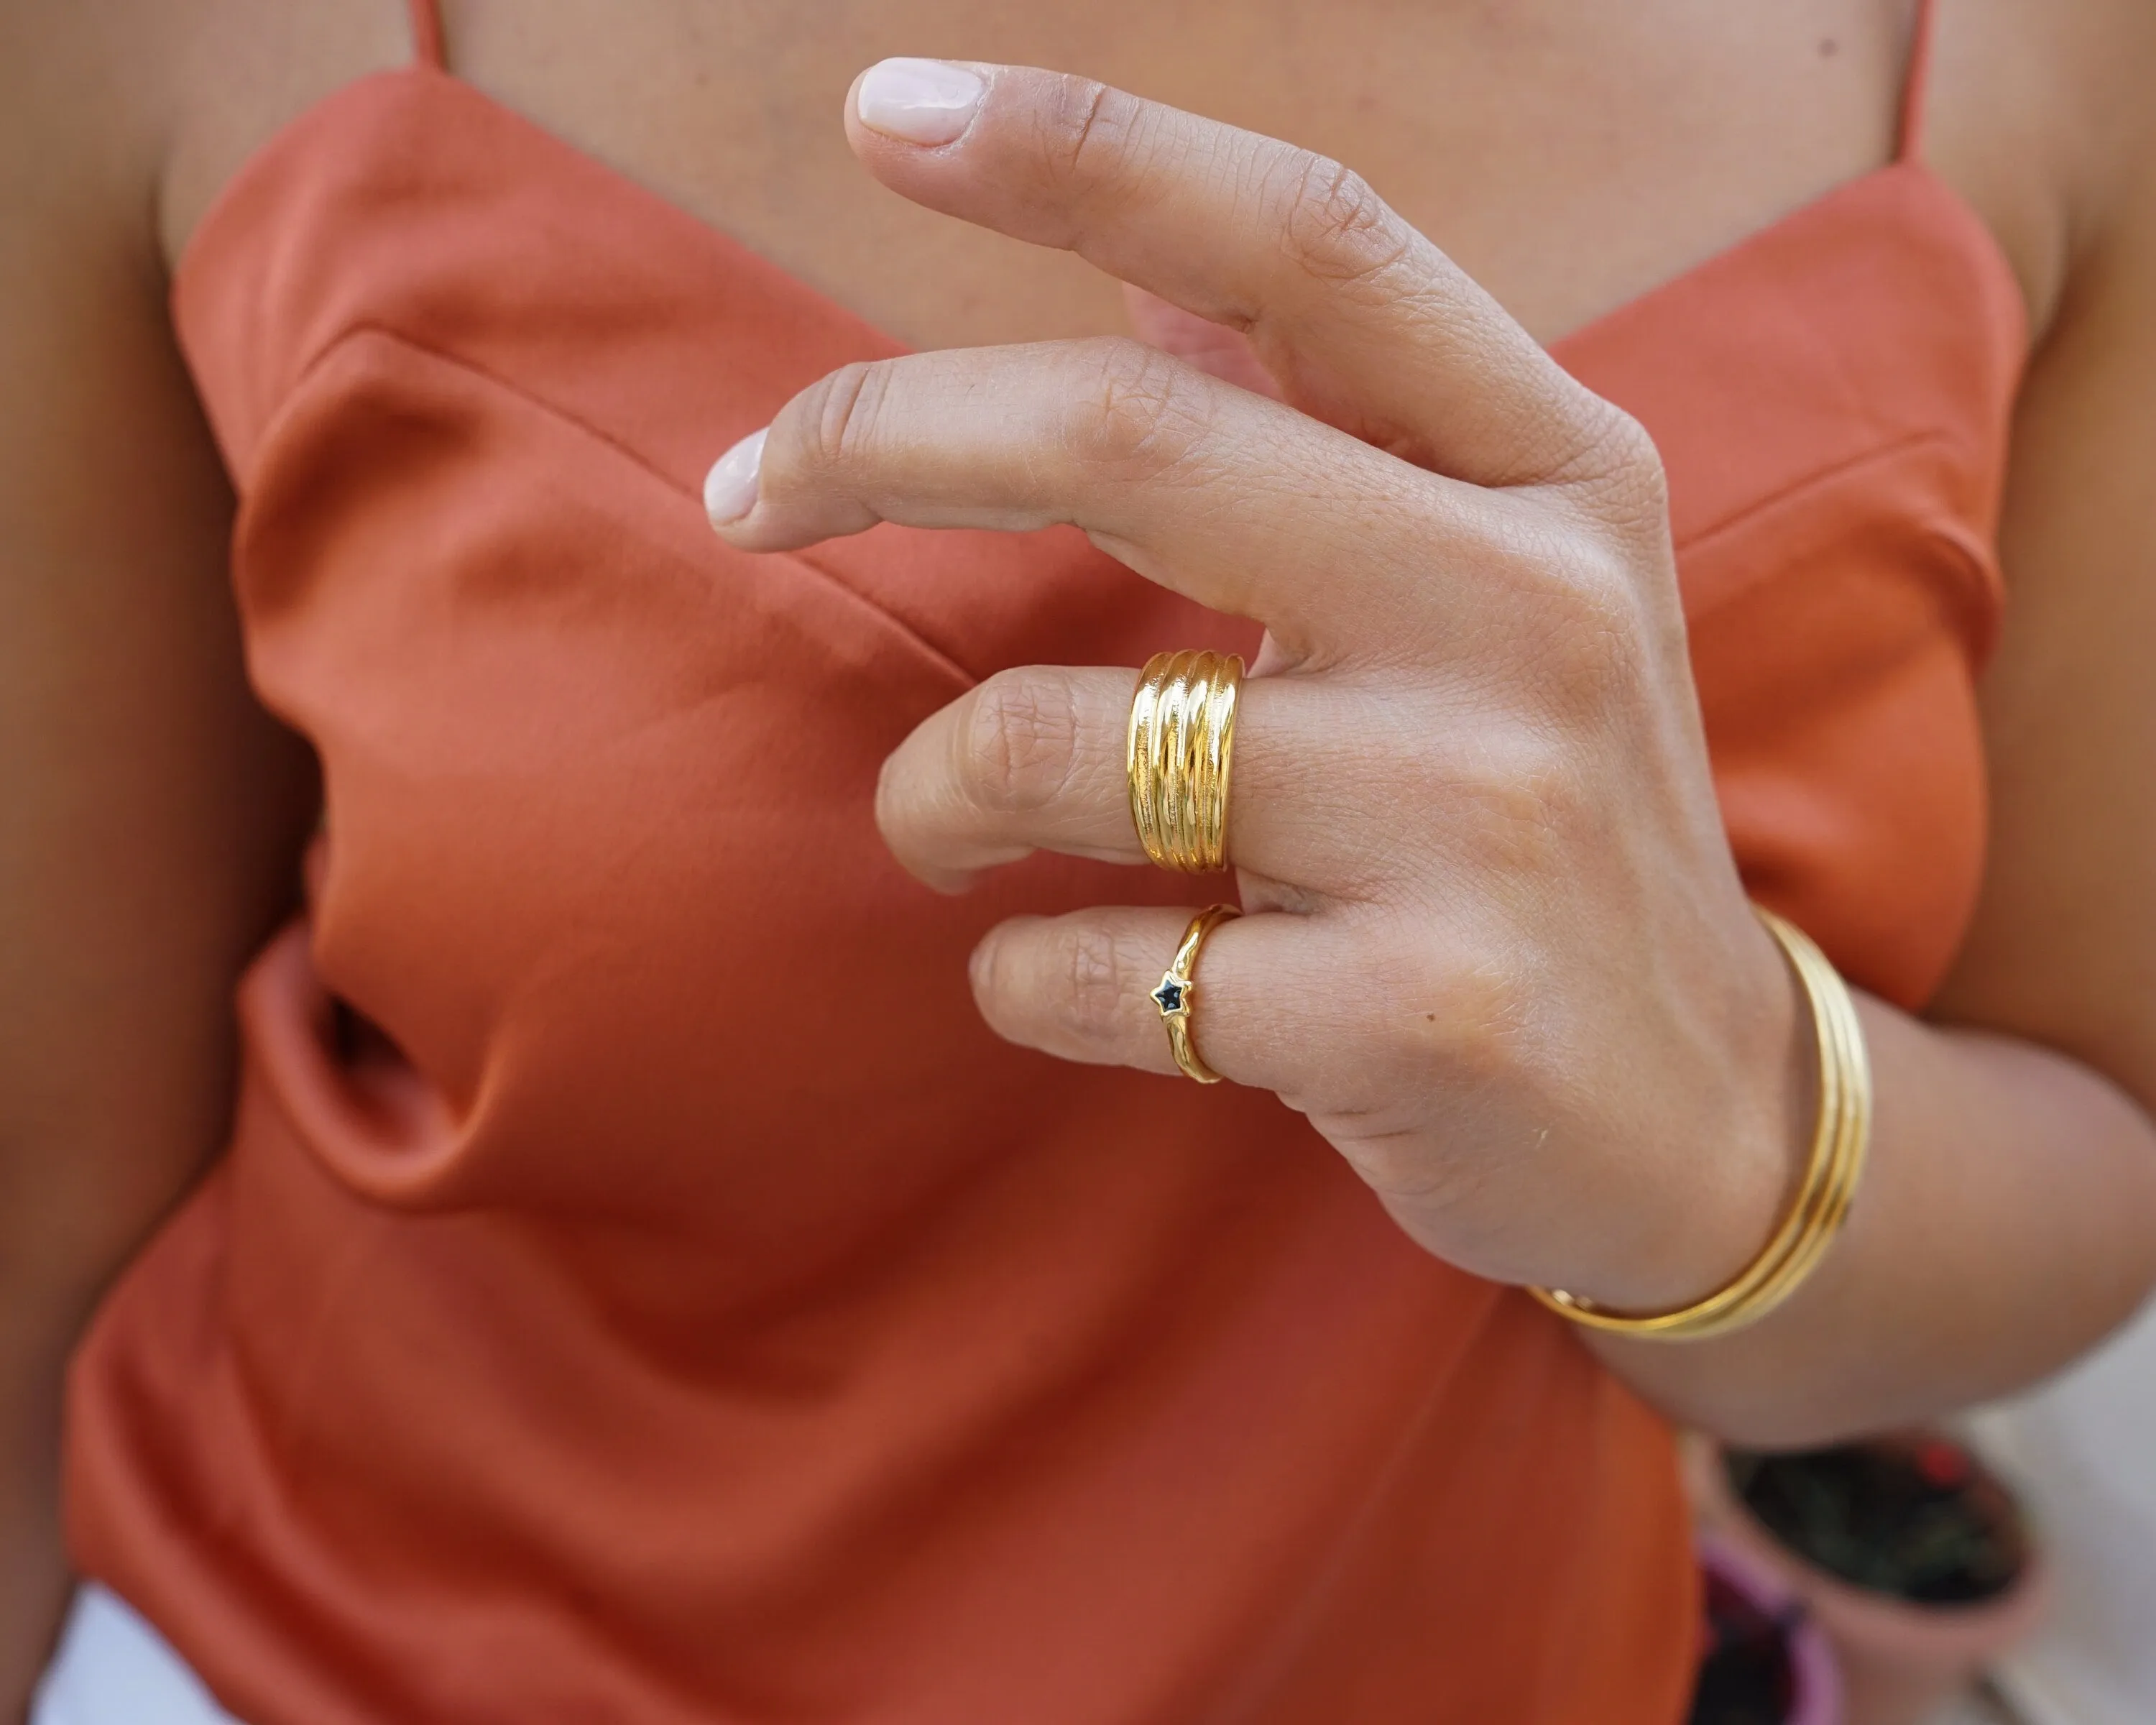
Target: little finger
1081, 986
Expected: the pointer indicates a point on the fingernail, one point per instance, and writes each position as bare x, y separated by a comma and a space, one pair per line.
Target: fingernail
919, 101
730, 487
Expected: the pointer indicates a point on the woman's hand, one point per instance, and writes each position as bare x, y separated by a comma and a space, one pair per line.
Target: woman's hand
1502, 959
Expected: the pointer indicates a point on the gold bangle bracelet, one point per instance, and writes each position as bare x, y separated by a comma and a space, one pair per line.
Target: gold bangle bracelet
1841, 1138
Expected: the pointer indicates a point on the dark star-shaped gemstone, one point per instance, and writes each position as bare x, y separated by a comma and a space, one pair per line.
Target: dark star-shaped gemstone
1173, 995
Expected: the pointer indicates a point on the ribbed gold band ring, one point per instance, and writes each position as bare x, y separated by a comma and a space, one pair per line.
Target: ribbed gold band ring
1178, 752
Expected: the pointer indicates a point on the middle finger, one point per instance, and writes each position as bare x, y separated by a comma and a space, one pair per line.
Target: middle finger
1240, 502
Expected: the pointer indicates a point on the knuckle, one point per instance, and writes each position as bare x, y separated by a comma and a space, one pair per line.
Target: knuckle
1335, 226
842, 413
1532, 801
1620, 467
1019, 746
1096, 972
1629, 448
1137, 412
1591, 626
1477, 1017
1592, 658
1090, 126
1462, 1014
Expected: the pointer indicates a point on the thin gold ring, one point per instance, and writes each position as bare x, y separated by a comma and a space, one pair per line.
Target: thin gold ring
1178, 750
1178, 987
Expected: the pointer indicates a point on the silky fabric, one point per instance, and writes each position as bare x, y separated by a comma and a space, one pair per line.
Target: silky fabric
640, 1288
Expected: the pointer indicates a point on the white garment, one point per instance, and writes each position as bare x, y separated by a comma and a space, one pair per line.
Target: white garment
113, 1669
2082, 1451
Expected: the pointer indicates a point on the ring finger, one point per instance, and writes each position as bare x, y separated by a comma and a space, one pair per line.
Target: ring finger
1034, 759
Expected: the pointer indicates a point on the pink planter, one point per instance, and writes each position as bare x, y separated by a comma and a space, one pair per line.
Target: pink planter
1898, 1660
1816, 1682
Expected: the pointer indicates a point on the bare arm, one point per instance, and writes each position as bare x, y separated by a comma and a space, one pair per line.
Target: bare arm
2009, 1219
151, 811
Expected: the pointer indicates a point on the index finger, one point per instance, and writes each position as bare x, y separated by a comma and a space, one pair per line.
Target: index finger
1367, 323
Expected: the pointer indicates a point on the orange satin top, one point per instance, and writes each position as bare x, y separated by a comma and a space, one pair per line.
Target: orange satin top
682, 1309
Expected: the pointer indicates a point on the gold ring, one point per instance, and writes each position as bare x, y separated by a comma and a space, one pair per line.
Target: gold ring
1177, 751
1174, 997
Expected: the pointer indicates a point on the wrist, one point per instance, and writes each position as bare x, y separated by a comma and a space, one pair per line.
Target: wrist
1722, 1191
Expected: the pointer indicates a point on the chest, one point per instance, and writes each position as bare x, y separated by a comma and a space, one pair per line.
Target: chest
1569, 154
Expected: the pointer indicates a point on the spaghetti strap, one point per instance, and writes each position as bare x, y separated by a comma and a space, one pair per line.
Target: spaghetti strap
427, 34
1917, 83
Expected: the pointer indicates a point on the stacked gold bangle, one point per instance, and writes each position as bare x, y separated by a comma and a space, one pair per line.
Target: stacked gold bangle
1839, 1140
1178, 749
